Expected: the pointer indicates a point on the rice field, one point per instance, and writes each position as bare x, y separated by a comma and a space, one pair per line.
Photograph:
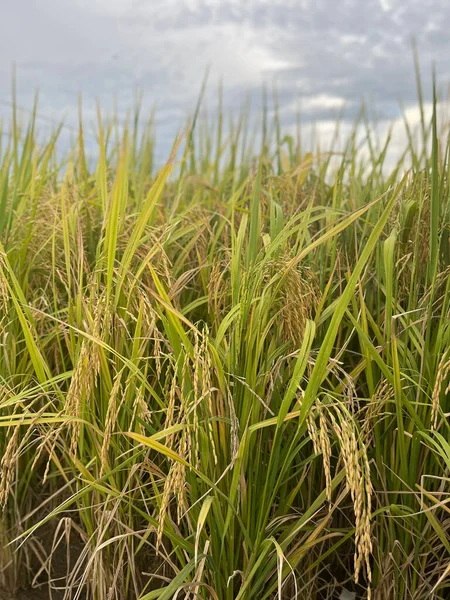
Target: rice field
226, 378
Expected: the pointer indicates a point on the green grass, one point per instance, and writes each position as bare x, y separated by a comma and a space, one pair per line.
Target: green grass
227, 379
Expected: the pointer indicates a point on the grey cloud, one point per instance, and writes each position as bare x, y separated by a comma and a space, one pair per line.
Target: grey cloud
354, 49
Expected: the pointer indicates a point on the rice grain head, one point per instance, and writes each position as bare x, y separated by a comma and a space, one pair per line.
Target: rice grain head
442, 373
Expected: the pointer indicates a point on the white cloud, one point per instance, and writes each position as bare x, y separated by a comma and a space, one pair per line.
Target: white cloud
323, 101
385, 5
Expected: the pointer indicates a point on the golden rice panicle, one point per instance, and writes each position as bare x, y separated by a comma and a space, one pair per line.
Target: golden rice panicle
442, 373
186, 407
141, 413
298, 295
165, 500
197, 364
85, 373
207, 389
192, 407
357, 473
8, 465
110, 420
180, 477
174, 413
215, 278
150, 318
171, 401
175, 480
320, 437
4, 293
174, 486
374, 408
218, 289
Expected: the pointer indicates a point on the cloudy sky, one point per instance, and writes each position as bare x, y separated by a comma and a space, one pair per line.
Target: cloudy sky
321, 55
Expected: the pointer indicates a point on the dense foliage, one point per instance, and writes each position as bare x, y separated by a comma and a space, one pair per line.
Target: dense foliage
230, 379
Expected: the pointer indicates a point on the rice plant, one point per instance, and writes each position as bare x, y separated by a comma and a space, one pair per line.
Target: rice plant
227, 378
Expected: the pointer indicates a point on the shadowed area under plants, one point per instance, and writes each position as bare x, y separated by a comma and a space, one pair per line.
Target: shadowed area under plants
227, 379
